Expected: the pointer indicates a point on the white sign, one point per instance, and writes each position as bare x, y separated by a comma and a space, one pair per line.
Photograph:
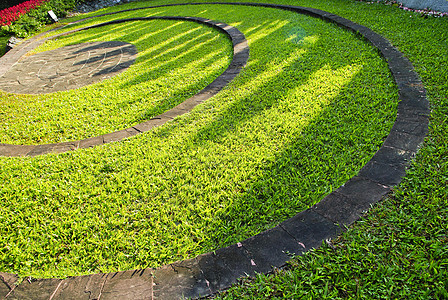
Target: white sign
53, 16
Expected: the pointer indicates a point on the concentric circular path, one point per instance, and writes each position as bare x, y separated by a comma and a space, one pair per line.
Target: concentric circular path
211, 272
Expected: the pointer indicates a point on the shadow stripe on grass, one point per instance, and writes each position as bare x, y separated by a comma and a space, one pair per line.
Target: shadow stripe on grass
211, 272
239, 60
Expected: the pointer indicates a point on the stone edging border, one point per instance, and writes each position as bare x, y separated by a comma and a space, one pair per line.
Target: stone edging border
239, 60
211, 272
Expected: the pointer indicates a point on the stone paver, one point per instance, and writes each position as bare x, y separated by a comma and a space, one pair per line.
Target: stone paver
211, 272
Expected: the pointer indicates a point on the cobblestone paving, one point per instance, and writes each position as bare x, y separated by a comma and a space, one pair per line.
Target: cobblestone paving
68, 67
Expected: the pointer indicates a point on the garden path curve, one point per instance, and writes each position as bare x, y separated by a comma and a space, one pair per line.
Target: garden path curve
115, 57
211, 272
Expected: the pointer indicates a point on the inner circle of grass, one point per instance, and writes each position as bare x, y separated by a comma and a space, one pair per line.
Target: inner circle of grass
312, 106
176, 59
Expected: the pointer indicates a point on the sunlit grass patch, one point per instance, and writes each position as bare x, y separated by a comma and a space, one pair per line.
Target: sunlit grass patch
312, 106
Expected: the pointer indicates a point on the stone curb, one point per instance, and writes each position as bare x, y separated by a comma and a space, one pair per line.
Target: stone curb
239, 60
211, 272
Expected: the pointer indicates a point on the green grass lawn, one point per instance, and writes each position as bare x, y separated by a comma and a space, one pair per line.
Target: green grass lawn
312, 106
3, 42
399, 249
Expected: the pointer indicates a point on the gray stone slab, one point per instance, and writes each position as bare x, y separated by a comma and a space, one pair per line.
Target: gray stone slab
417, 125
15, 150
422, 113
404, 141
223, 267
345, 205
392, 55
41, 289
53, 148
397, 63
132, 285
416, 104
240, 60
211, 89
180, 280
360, 188
200, 98
7, 283
81, 287
411, 79
272, 249
411, 114
9, 279
225, 78
385, 174
340, 209
174, 112
309, 229
4, 289
413, 93
187, 105
152, 123
400, 66
392, 156
119, 135
91, 142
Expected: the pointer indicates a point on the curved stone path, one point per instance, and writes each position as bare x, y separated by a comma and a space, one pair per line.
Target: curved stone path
211, 272
105, 64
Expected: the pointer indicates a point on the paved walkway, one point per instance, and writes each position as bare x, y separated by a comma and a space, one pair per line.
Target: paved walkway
211, 272
67, 68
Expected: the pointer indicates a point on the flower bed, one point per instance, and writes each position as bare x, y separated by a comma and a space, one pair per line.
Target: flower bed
26, 18
12, 14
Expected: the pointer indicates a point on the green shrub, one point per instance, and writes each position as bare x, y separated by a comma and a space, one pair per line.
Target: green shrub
35, 19
22, 27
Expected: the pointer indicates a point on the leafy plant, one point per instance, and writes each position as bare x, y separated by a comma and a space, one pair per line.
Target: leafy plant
11, 14
28, 17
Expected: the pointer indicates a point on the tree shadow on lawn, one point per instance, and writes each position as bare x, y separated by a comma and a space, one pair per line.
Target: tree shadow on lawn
162, 60
338, 136
166, 58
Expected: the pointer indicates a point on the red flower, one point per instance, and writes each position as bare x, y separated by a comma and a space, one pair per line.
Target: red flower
11, 14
